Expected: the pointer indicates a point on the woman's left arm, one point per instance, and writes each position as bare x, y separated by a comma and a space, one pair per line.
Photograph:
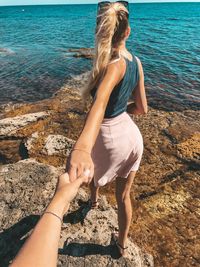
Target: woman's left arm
80, 160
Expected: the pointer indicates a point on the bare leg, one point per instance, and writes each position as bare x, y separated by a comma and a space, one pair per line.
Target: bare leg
123, 187
94, 193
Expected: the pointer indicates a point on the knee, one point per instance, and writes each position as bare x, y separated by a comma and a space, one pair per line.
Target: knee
123, 197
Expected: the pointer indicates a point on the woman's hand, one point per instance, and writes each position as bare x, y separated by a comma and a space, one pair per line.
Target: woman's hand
79, 162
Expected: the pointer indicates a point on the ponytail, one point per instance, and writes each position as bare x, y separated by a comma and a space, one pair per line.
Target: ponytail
109, 20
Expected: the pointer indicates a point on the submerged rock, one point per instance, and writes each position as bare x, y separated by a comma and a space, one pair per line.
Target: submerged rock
6, 51
82, 52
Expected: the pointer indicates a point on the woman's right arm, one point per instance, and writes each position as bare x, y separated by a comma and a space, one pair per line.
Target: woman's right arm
139, 106
80, 158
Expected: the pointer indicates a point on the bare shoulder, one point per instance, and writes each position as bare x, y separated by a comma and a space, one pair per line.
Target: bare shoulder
111, 78
116, 69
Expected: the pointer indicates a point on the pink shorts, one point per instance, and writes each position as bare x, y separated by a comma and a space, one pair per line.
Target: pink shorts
118, 149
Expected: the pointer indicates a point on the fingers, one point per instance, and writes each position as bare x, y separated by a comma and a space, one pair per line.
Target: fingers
86, 173
80, 169
91, 172
64, 179
72, 174
84, 178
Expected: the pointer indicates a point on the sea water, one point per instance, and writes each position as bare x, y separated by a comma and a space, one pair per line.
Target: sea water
34, 41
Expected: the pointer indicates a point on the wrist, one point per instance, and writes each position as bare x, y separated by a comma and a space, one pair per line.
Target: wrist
83, 150
58, 205
83, 146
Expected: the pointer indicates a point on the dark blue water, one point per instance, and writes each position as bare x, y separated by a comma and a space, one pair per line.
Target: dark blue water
34, 40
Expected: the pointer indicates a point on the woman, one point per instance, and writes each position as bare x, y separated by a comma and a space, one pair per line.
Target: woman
110, 144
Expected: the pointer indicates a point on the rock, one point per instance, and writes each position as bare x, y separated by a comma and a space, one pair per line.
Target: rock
9, 126
30, 142
26, 188
58, 145
10, 151
181, 129
53, 149
6, 51
190, 149
87, 53
93, 240
165, 194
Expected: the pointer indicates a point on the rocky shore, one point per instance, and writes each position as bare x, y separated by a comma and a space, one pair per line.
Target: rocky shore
35, 140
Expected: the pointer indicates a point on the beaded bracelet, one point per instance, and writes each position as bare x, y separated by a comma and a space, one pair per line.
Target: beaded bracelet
52, 213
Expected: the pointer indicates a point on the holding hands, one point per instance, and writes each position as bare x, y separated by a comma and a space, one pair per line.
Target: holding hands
80, 163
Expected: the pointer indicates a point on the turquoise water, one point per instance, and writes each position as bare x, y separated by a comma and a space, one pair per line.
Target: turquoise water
34, 40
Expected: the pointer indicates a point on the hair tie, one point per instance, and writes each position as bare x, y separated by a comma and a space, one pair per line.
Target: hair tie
114, 9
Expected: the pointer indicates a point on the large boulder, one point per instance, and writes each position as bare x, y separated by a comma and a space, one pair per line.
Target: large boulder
26, 188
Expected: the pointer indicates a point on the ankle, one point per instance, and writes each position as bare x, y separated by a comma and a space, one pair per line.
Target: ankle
122, 242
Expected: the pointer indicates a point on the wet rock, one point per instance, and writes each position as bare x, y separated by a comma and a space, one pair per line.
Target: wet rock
10, 151
87, 53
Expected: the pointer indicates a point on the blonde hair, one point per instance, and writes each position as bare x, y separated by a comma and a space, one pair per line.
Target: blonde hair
112, 22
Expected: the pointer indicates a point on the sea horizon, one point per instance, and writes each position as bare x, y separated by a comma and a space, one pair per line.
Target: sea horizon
136, 3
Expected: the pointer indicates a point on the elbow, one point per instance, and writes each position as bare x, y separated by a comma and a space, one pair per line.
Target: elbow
143, 110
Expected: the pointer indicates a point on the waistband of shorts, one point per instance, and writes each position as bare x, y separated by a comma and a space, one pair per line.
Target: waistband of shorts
116, 119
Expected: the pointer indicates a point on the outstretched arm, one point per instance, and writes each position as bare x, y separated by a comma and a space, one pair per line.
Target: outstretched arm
139, 106
41, 248
80, 160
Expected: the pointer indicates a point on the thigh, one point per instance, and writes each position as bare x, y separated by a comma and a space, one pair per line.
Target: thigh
123, 185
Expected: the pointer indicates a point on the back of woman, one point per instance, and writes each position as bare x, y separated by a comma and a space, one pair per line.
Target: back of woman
110, 145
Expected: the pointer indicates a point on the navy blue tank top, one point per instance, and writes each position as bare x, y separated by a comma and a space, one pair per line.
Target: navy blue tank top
121, 93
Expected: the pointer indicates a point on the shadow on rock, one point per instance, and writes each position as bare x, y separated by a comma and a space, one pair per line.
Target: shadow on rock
12, 239
78, 215
87, 249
